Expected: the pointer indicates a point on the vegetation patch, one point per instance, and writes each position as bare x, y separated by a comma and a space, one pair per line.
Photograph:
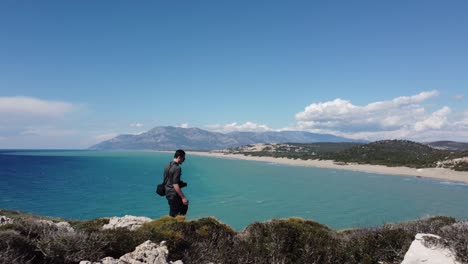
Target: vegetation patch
386, 152
206, 240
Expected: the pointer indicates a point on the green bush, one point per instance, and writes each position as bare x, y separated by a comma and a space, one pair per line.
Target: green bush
197, 241
93, 225
377, 245
390, 242
289, 241
121, 241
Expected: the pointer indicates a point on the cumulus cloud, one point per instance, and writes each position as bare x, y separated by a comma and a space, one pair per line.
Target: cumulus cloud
463, 122
435, 121
184, 125
136, 125
21, 105
398, 114
233, 127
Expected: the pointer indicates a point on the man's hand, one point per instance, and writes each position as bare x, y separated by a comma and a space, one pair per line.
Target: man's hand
185, 201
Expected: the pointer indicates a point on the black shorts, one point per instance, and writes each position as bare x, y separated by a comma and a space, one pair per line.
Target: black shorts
176, 207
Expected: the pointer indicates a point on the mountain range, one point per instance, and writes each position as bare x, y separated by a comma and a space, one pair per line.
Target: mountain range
171, 138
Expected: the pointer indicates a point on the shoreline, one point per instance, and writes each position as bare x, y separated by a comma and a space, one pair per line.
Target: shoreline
432, 173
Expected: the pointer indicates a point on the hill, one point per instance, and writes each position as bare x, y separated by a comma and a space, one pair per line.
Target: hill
449, 145
393, 153
385, 152
171, 138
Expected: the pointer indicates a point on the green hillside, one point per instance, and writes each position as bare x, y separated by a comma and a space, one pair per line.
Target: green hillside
385, 152
394, 153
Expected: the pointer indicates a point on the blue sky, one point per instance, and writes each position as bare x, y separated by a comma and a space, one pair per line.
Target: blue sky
73, 73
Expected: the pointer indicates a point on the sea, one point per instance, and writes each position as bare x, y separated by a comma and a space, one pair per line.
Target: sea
86, 184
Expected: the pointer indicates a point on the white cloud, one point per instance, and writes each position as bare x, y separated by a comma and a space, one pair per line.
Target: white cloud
184, 125
396, 114
232, 127
399, 118
435, 121
463, 123
34, 107
136, 125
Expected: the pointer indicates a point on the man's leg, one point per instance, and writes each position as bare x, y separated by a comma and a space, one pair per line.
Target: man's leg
175, 205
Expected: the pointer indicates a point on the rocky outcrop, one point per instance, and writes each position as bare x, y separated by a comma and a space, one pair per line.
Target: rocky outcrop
421, 251
64, 226
5, 220
129, 222
146, 253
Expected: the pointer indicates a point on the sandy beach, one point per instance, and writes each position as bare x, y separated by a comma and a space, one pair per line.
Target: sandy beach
434, 173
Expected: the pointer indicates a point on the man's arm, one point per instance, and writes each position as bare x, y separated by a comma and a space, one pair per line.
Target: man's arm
176, 186
180, 193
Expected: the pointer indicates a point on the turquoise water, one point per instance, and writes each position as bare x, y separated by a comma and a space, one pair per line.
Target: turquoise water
90, 184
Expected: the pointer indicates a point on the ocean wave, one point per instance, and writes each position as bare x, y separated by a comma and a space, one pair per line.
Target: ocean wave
454, 183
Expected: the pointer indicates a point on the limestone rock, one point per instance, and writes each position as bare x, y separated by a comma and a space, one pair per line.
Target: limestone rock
129, 222
5, 220
64, 226
419, 253
146, 253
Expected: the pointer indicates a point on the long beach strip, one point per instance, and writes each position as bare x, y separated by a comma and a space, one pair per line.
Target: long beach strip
434, 173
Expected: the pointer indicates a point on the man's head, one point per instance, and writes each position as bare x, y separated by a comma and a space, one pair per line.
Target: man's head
179, 156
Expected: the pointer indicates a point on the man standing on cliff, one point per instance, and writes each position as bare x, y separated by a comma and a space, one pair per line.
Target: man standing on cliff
178, 203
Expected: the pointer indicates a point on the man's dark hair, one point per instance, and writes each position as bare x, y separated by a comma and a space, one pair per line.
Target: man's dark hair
179, 153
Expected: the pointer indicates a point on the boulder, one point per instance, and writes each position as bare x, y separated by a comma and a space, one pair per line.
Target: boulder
129, 222
420, 252
5, 220
63, 226
146, 253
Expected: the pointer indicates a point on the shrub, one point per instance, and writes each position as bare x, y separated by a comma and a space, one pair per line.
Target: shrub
432, 225
288, 241
390, 242
120, 241
456, 238
93, 225
71, 247
15, 249
205, 240
197, 241
387, 245
164, 229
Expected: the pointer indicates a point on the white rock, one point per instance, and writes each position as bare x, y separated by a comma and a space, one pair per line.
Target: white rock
419, 253
129, 222
5, 220
146, 253
64, 226
109, 260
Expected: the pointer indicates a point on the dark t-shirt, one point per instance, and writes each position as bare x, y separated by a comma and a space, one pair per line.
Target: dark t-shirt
173, 172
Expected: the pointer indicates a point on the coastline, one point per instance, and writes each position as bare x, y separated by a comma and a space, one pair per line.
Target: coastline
432, 173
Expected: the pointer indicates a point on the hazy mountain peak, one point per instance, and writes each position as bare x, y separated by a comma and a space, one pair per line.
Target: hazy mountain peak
170, 138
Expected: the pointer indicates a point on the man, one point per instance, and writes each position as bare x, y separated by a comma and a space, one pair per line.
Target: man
178, 203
